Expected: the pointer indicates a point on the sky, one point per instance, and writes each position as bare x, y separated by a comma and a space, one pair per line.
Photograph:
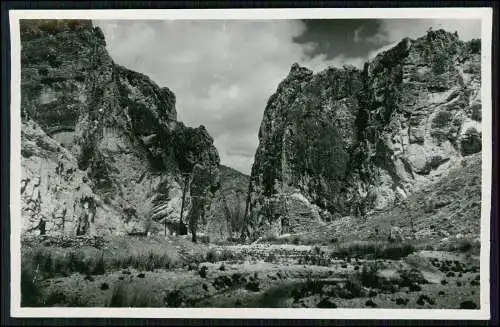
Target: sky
223, 72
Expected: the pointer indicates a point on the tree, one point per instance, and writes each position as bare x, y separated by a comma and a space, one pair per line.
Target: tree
471, 142
182, 226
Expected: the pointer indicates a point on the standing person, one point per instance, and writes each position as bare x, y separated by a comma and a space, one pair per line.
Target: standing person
41, 226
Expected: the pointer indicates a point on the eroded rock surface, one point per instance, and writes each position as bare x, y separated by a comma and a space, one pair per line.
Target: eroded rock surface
347, 141
114, 130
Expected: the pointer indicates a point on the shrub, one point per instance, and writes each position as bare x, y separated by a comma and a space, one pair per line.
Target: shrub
354, 287
471, 142
373, 250
30, 291
212, 256
173, 299
56, 298
442, 119
270, 258
139, 297
411, 277
203, 271
463, 245
474, 46
227, 255
252, 285
476, 112
99, 266
395, 252
118, 297
312, 286
440, 63
148, 261
369, 276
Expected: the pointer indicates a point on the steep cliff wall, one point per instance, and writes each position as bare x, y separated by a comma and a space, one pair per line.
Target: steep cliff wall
227, 210
116, 129
345, 142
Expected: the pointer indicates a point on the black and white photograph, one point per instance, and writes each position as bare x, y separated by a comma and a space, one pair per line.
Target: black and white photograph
200, 164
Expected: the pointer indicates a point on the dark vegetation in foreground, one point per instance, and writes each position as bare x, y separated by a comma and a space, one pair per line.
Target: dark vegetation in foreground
45, 261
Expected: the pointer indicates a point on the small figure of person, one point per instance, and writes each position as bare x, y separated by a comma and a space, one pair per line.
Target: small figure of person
41, 226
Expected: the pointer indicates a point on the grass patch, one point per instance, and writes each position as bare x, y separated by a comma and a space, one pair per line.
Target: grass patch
125, 295
462, 246
316, 257
51, 261
213, 255
373, 250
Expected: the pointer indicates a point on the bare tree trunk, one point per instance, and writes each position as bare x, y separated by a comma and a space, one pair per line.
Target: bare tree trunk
229, 216
184, 190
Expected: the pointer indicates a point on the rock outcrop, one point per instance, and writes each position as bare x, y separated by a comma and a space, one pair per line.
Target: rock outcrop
101, 144
347, 141
227, 211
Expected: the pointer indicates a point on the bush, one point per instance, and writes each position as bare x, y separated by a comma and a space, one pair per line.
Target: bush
228, 255
121, 297
442, 119
99, 267
411, 277
212, 256
30, 291
463, 245
471, 142
395, 252
373, 250
270, 258
474, 46
354, 287
476, 112
203, 271
440, 63
369, 276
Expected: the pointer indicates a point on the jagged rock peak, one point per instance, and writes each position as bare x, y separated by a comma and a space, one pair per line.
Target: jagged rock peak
121, 133
298, 70
345, 142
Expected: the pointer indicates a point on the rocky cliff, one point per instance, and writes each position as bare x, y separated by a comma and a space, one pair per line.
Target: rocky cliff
347, 142
102, 150
227, 210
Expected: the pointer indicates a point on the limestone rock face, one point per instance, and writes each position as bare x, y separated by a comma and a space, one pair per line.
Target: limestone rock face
350, 141
227, 210
118, 129
55, 190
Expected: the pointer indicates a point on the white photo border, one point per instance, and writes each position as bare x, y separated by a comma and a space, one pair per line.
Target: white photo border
484, 14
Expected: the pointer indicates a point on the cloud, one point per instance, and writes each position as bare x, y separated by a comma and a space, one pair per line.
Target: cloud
392, 31
357, 33
222, 72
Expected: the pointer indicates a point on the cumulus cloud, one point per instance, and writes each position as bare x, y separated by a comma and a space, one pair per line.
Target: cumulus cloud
222, 72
